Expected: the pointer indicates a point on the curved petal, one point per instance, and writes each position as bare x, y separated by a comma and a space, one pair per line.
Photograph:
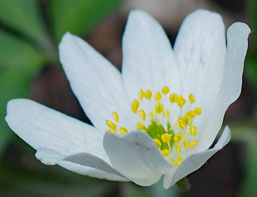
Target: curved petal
96, 83
230, 89
51, 157
195, 161
148, 60
136, 156
42, 127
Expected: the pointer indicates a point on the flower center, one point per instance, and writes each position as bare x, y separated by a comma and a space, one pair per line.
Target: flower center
166, 119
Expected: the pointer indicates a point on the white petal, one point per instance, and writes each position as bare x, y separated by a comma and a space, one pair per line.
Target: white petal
92, 172
96, 83
195, 161
148, 60
51, 157
136, 156
200, 50
42, 127
230, 89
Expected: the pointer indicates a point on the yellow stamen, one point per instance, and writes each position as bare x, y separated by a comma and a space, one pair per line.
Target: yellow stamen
157, 142
173, 97
165, 152
111, 124
168, 113
141, 94
191, 98
165, 90
142, 114
178, 148
191, 114
180, 101
148, 94
181, 123
159, 108
166, 137
123, 130
197, 110
135, 105
180, 159
186, 145
193, 143
193, 130
158, 96
151, 114
115, 116
140, 126
177, 137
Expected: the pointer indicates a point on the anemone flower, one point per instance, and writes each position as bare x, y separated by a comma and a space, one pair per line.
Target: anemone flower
158, 117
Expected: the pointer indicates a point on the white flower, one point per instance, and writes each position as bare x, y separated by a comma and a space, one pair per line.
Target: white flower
158, 117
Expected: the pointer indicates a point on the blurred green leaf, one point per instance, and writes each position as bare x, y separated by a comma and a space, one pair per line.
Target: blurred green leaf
249, 188
23, 16
18, 63
79, 16
184, 185
15, 52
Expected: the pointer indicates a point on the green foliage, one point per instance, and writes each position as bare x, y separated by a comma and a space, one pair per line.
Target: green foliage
79, 16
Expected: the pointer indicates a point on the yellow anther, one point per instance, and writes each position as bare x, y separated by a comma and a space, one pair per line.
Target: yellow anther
180, 158
123, 130
141, 94
165, 137
148, 94
151, 114
181, 101
135, 105
111, 131
158, 96
159, 107
165, 90
193, 130
187, 119
115, 116
178, 148
191, 114
111, 124
140, 126
191, 98
192, 143
175, 163
165, 152
173, 97
142, 114
157, 142
197, 111
181, 123
179, 161
177, 137
186, 144
168, 113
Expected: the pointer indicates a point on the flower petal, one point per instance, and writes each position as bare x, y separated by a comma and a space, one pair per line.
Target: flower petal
230, 89
136, 156
195, 161
200, 50
42, 127
148, 60
96, 83
51, 157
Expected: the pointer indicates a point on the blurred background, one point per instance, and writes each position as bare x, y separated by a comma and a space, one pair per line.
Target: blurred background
30, 31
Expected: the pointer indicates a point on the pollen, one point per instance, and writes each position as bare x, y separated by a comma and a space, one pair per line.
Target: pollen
135, 105
166, 137
165, 90
191, 98
148, 94
158, 96
157, 142
177, 137
115, 116
197, 111
165, 152
111, 124
193, 130
142, 114
159, 107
